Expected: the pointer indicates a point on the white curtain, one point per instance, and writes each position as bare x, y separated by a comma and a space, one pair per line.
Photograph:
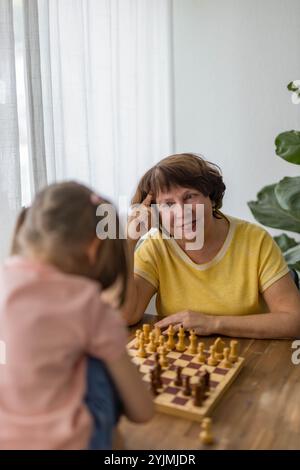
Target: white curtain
106, 68
10, 186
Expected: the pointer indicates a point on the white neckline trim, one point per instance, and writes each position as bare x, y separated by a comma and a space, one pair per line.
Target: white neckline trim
219, 255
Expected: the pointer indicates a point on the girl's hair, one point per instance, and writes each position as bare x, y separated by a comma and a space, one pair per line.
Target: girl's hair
59, 226
187, 170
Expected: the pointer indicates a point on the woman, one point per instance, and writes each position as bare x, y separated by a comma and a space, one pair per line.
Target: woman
237, 284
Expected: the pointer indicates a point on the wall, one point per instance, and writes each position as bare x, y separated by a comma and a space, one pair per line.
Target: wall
232, 61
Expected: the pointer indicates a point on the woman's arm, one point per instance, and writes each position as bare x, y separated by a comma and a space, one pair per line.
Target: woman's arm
282, 320
136, 398
139, 293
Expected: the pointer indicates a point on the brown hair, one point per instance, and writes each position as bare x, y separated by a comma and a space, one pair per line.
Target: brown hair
186, 170
60, 224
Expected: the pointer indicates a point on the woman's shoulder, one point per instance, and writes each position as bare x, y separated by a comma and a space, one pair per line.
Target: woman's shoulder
248, 230
153, 238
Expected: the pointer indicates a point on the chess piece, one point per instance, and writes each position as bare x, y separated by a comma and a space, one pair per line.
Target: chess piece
137, 339
153, 383
233, 356
219, 345
192, 349
212, 360
187, 386
156, 358
206, 380
157, 332
198, 394
201, 356
206, 434
163, 356
161, 341
152, 344
171, 342
142, 351
178, 380
146, 331
158, 368
226, 362
180, 346
157, 373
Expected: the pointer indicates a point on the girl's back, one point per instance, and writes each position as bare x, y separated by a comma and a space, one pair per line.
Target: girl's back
48, 319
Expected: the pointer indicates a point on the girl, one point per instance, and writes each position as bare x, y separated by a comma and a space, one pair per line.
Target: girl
52, 318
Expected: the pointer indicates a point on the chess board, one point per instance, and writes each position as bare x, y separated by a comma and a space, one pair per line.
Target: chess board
171, 399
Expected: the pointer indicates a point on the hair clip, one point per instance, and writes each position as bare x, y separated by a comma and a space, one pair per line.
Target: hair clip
95, 199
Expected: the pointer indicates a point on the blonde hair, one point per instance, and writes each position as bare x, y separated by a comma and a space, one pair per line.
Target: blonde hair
59, 226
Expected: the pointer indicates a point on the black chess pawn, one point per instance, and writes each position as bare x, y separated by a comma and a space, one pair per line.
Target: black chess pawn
156, 374
199, 395
187, 386
206, 377
178, 380
153, 383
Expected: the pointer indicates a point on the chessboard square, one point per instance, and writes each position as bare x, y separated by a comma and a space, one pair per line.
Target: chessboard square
186, 357
173, 354
168, 374
171, 359
189, 372
164, 398
209, 369
213, 383
194, 365
144, 369
148, 362
180, 401
166, 380
221, 371
171, 390
180, 363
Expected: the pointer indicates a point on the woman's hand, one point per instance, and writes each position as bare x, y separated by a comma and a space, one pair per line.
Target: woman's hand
204, 325
139, 221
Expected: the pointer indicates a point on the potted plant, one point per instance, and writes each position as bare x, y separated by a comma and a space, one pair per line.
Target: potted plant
278, 205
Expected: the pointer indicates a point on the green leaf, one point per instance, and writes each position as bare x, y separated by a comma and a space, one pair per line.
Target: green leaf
288, 146
285, 242
287, 193
292, 87
292, 257
268, 211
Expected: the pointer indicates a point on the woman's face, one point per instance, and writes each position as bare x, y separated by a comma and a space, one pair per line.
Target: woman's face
184, 210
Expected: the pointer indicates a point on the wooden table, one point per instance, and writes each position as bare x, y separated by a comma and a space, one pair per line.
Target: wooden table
260, 410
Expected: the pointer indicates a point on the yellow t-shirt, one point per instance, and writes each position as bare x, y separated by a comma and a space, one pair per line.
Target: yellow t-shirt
230, 284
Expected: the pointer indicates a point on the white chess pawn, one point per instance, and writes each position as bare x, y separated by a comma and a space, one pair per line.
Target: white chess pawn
192, 349
233, 356
142, 351
171, 343
206, 434
201, 356
212, 360
152, 343
137, 339
226, 362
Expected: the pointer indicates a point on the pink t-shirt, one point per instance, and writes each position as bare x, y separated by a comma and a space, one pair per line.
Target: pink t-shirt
50, 322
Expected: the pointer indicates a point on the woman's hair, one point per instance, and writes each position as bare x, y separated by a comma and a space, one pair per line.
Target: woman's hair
185, 170
60, 225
